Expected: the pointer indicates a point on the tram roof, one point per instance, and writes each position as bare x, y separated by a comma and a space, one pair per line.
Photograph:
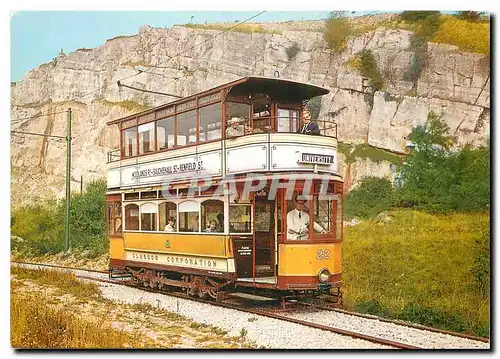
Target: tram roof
278, 89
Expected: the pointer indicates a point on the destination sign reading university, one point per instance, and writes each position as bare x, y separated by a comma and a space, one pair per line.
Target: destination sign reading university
316, 159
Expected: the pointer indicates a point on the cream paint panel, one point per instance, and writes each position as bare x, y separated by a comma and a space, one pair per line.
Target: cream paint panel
185, 261
247, 159
322, 141
286, 156
247, 140
113, 178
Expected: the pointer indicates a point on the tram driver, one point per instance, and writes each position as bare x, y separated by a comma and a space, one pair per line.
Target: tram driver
297, 221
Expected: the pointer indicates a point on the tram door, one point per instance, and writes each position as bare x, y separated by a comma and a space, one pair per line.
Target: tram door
264, 232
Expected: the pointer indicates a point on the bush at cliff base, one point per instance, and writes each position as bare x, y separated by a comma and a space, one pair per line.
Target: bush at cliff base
40, 228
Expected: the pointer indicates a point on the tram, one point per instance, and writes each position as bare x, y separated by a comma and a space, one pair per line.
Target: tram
219, 192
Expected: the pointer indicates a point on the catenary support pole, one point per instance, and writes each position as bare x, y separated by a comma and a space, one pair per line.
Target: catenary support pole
68, 176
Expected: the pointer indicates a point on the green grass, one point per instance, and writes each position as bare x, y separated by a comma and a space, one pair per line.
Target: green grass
66, 282
420, 268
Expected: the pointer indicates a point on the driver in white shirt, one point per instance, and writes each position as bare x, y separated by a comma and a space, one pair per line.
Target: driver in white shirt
297, 222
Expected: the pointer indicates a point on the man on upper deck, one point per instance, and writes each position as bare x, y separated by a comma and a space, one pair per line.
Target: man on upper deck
308, 127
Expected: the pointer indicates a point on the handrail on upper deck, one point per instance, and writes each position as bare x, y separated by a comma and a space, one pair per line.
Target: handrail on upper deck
114, 155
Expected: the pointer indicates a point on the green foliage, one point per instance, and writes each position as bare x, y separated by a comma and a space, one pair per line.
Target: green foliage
472, 16
337, 30
372, 196
481, 267
467, 35
369, 68
42, 226
437, 179
88, 218
364, 151
414, 16
292, 51
420, 267
424, 31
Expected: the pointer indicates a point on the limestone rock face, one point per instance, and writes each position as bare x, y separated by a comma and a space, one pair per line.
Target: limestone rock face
183, 61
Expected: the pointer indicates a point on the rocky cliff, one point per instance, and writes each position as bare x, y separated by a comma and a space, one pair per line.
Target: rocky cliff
182, 61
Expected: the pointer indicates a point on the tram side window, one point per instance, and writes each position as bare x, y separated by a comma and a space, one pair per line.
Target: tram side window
240, 219
165, 133
212, 216
132, 217
168, 211
129, 145
189, 219
186, 128
148, 217
146, 138
210, 122
114, 212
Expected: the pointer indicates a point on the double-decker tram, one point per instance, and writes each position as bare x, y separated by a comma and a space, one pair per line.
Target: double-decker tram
220, 192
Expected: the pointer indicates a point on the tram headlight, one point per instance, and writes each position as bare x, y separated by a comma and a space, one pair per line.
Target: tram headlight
324, 275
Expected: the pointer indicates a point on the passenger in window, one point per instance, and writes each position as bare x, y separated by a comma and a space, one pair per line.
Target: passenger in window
220, 222
308, 127
170, 227
212, 226
236, 127
297, 221
195, 226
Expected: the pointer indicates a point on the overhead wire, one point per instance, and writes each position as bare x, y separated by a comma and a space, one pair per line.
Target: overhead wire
171, 57
36, 116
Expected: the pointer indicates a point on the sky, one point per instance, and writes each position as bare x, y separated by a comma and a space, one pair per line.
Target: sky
38, 36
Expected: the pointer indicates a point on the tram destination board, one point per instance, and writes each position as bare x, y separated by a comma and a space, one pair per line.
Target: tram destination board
319, 159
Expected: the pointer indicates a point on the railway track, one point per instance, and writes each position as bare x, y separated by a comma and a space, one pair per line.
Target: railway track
272, 311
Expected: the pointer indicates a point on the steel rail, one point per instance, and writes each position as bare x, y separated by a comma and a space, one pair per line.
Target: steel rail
400, 322
59, 266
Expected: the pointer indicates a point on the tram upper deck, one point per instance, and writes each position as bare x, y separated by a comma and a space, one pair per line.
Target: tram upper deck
249, 125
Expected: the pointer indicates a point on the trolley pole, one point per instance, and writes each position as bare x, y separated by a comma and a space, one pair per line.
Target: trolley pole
68, 176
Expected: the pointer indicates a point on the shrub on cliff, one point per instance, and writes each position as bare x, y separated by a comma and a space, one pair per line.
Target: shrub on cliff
469, 36
369, 68
337, 30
